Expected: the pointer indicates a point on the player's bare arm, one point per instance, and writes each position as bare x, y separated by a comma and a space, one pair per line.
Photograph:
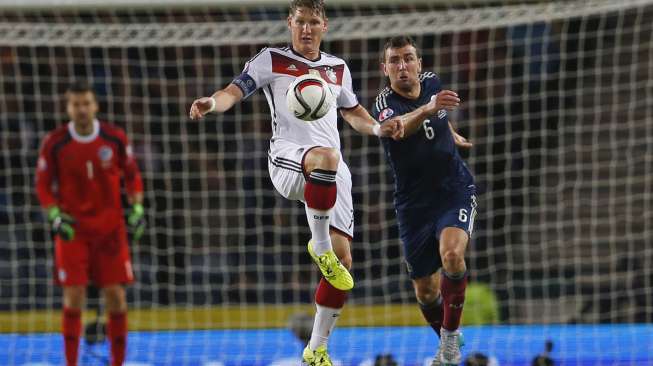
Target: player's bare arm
360, 120
221, 101
412, 121
459, 140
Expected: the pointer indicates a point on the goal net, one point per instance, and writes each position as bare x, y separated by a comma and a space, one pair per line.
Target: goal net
557, 98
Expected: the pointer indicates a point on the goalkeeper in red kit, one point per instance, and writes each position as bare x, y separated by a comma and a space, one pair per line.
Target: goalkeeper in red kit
78, 181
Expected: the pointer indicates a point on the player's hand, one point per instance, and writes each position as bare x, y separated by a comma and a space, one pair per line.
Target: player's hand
393, 128
201, 107
446, 99
61, 223
136, 221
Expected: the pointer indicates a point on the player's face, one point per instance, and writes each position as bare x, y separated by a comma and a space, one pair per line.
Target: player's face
81, 107
402, 67
306, 29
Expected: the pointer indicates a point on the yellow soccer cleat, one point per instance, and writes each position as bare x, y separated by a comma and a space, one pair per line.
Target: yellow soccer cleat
319, 357
332, 270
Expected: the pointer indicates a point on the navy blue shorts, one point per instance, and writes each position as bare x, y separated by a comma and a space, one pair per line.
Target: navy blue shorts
420, 228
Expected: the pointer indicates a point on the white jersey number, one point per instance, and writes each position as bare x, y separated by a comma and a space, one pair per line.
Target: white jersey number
462, 215
428, 130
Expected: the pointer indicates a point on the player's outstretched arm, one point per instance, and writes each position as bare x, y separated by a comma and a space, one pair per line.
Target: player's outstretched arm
361, 121
446, 99
220, 101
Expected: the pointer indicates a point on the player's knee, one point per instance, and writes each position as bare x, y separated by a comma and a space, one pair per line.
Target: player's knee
115, 299
453, 259
325, 158
74, 297
426, 292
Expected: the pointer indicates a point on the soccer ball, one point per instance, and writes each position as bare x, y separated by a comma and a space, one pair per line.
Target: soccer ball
309, 97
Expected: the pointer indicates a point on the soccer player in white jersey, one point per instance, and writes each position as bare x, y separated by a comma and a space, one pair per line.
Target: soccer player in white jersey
305, 162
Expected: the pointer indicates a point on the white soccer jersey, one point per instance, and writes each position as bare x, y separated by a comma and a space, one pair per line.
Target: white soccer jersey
273, 70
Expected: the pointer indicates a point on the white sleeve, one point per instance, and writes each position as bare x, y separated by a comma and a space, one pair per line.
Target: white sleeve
347, 98
256, 74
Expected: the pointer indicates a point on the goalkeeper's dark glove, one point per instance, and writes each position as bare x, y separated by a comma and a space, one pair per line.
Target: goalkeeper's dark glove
136, 221
61, 223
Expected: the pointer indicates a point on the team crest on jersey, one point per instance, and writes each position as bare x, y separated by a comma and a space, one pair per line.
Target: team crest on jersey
105, 154
385, 114
331, 74
442, 113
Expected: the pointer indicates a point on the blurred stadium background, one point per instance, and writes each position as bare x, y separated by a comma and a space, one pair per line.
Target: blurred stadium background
557, 97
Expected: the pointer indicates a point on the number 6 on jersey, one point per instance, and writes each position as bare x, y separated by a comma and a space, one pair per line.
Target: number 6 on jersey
428, 130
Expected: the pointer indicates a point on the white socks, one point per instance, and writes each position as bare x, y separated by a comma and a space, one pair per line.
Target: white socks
318, 221
325, 321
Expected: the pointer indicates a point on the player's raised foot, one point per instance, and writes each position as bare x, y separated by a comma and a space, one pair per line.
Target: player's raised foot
450, 344
319, 357
332, 270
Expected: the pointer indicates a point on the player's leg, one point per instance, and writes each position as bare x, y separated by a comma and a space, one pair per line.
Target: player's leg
329, 302
116, 304
427, 292
423, 261
453, 243
74, 298
320, 166
111, 271
453, 281
71, 262
456, 229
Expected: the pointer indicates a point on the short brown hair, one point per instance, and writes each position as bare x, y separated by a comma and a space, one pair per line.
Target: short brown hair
317, 6
399, 42
80, 87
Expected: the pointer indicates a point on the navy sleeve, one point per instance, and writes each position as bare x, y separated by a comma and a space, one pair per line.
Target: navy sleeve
382, 109
246, 84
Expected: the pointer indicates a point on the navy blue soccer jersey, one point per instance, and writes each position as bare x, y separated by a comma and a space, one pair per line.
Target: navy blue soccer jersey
426, 165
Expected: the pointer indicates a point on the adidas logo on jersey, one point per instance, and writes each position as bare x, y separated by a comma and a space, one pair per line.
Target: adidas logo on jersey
292, 67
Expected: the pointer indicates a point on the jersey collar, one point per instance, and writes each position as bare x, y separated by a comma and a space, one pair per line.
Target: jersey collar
84, 139
302, 56
421, 93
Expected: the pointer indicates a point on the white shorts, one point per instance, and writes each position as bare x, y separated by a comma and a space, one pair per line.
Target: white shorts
285, 166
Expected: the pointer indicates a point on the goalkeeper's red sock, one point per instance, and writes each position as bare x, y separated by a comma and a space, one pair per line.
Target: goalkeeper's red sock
320, 193
433, 314
452, 288
71, 329
117, 332
329, 302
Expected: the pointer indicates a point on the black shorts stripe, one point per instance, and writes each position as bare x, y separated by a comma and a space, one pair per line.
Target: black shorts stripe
288, 161
284, 166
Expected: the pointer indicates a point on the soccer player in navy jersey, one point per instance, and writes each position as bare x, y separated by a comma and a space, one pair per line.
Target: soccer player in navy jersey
434, 190
81, 167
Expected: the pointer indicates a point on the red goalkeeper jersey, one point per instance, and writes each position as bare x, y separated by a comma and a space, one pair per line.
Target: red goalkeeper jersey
82, 175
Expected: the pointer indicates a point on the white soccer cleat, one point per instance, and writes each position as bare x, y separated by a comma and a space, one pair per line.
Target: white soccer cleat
449, 352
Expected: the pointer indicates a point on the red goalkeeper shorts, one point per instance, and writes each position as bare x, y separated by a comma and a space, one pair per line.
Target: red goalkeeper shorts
102, 259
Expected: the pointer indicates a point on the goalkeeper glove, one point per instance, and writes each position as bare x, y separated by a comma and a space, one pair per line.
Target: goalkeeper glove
61, 223
136, 221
